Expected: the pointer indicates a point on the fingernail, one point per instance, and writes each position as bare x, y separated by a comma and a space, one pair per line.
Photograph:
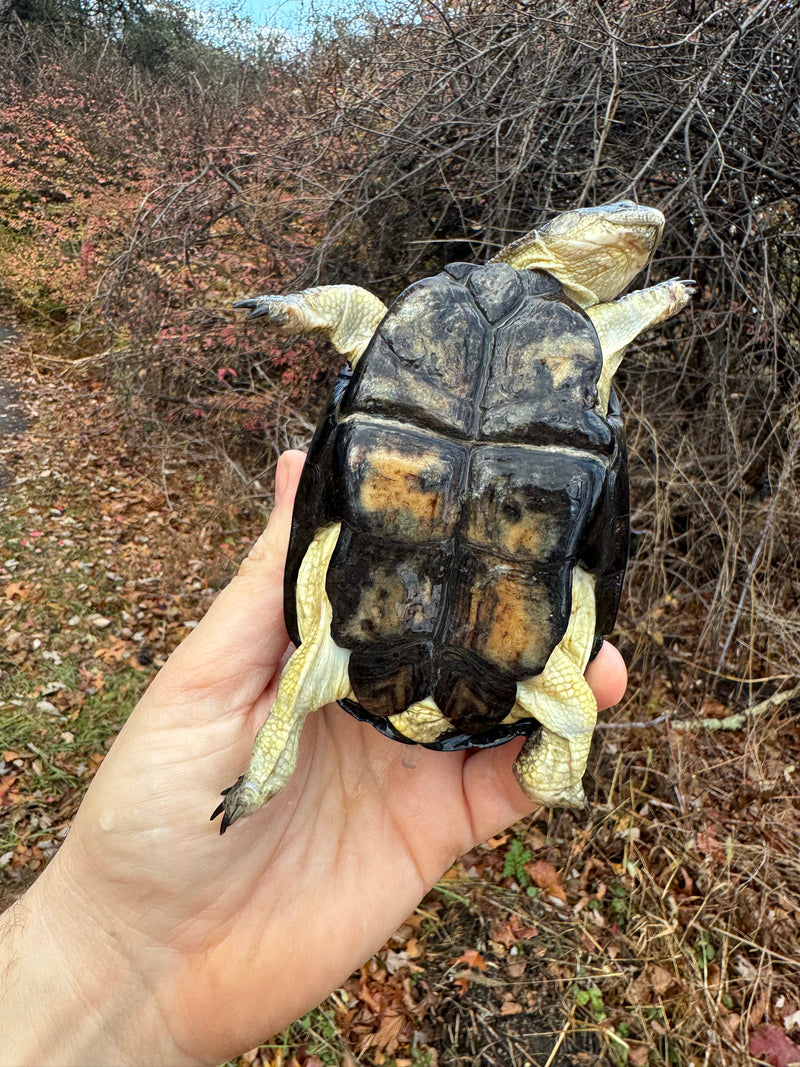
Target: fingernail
281, 479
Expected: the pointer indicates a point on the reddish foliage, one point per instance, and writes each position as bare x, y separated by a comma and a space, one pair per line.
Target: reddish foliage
772, 1045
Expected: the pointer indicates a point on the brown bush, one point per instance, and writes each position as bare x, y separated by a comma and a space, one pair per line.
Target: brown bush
442, 133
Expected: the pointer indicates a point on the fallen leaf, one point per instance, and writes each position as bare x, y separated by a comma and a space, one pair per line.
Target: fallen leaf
772, 1044
17, 590
659, 978
413, 951
472, 958
7, 789
117, 650
638, 1055
687, 889
386, 1037
511, 931
758, 1009
510, 1007
546, 877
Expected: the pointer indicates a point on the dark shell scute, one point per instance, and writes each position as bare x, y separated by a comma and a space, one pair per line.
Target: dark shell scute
424, 360
531, 503
497, 289
399, 481
459, 271
381, 591
386, 678
511, 617
542, 382
471, 698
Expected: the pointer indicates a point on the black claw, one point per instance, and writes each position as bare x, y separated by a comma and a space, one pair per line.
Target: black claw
263, 309
221, 809
255, 305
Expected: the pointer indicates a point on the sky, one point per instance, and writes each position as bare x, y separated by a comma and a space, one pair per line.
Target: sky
286, 14
292, 15
290, 21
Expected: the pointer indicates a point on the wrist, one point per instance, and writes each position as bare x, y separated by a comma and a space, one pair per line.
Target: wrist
69, 990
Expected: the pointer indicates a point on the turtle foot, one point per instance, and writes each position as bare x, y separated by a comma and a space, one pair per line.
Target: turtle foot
681, 290
556, 792
238, 801
280, 311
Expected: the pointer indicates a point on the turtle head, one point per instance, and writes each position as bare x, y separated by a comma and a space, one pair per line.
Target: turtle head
593, 251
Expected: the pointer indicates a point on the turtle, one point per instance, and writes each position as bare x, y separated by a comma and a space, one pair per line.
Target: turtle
460, 533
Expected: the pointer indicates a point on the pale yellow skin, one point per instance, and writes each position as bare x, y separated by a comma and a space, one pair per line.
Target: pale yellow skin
594, 253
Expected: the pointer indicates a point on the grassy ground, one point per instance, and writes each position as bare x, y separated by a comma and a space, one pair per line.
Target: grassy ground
659, 928
108, 556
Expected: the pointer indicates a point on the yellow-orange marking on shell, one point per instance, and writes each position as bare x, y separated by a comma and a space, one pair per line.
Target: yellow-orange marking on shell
534, 534
516, 628
565, 368
391, 486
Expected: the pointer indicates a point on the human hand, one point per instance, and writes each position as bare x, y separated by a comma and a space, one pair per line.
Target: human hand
150, 939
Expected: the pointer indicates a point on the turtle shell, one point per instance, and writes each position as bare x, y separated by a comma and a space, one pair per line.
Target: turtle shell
471, 472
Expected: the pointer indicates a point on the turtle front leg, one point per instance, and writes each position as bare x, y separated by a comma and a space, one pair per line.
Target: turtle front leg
550, 765
621, 321
346, 315
316, 674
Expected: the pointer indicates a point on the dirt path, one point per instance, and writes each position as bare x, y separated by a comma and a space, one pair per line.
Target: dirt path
13, 420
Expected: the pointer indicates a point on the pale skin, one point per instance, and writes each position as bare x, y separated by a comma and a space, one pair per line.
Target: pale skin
151, 940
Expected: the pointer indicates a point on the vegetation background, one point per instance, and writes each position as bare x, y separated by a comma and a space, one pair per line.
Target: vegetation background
153, 170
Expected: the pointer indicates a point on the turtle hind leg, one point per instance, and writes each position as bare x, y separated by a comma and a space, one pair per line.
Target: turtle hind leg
346, 315
551, 763
315, 674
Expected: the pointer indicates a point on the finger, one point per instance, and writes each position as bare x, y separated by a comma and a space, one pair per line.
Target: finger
607, 676
244, 629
